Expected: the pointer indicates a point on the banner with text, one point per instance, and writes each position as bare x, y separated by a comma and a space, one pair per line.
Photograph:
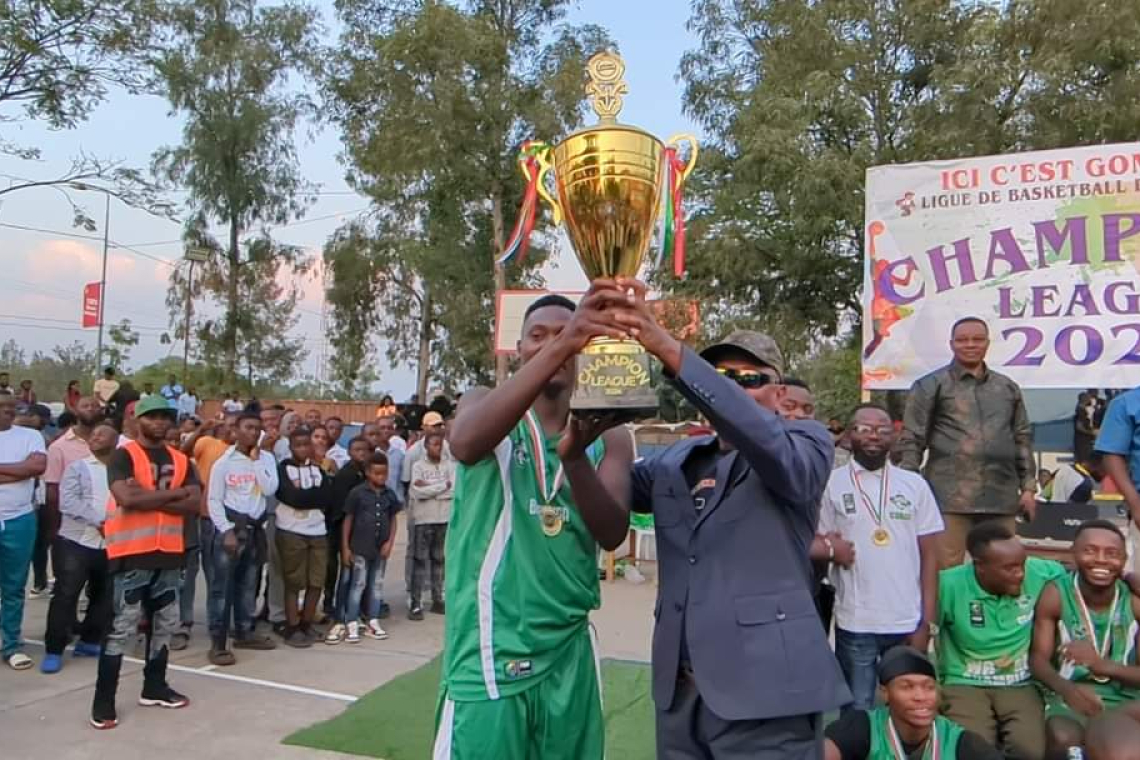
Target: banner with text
91, 299
1045, 247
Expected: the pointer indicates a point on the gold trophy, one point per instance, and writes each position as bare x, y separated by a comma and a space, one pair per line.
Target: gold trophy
611, 180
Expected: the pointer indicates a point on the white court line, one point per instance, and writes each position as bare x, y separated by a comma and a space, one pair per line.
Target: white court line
210, 672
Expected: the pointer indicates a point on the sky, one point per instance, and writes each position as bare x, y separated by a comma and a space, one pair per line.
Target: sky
45, 268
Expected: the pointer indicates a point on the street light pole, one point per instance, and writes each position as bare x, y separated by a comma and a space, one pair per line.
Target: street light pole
193, 255
103, 281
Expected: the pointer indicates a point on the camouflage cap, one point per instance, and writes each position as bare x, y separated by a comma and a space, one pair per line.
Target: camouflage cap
756, 344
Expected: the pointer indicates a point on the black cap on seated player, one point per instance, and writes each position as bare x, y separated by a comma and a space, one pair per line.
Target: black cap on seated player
904, 661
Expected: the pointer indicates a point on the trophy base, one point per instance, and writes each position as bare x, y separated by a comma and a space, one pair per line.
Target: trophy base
612, 376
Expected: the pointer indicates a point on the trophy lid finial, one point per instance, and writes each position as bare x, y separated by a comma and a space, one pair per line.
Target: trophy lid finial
606, 86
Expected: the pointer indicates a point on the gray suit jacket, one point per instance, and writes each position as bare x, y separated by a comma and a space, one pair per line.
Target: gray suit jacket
737, 579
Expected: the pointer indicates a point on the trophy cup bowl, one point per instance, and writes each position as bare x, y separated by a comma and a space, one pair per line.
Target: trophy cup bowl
609, 180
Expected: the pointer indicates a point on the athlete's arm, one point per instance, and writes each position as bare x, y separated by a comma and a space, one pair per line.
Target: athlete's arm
928, 575
602, 495
1129, 675
1046, 617
486, 416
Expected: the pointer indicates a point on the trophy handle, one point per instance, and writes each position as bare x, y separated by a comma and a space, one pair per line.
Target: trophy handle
540, 152
676, 141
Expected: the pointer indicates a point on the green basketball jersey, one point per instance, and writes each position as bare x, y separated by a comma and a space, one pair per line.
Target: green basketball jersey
1121, 627
983, 640
945, 732
522, 570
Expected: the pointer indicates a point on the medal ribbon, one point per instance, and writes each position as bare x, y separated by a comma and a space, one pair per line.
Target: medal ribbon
884, 493
933, 750
1086, 617
539, 446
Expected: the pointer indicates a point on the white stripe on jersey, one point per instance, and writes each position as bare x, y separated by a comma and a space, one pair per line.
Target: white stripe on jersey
490, 568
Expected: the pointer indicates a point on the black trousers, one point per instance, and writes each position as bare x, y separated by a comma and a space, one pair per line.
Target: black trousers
40, 550
689, 730
77, 566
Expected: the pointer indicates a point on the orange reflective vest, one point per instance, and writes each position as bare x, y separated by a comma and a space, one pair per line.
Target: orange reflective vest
131, 532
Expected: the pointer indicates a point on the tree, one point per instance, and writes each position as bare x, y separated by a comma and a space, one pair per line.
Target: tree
57, 63
799, 99
263, 310
49, 372
433, 102
122, 338
231, 69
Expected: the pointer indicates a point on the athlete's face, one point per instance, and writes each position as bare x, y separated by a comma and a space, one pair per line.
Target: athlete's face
913, 700
541, 327
1001, 567
1099, 555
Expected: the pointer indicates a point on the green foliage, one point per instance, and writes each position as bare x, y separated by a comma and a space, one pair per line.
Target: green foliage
798, 99
230, 68
263, 312
433, 102
122, 337
49, 372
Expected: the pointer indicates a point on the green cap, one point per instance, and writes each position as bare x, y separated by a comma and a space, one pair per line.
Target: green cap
759, 346
152, 404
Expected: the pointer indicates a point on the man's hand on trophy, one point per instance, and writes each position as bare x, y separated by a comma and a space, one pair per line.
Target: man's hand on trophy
637, 318
594, 316
584, 429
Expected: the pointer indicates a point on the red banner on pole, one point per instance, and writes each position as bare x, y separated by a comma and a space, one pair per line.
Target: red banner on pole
92, 295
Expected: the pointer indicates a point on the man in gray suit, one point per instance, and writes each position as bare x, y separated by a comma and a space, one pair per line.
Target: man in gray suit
741, 665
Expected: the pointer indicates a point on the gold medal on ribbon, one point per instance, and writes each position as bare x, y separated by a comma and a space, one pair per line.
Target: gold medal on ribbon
551, 520
1103, 646
549, 516
1003, 663
879, 536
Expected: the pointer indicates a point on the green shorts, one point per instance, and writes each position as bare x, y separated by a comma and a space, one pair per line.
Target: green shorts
559, 718
1056, 707
302, 561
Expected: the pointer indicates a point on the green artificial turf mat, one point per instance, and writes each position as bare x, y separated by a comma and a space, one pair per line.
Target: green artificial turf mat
397, 720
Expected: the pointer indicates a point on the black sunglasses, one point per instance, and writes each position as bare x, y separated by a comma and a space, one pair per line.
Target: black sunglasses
747, 379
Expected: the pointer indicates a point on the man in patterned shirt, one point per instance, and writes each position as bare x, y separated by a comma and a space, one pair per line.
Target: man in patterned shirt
971, 423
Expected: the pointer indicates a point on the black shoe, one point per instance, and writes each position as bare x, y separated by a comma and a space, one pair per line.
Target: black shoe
296, 638
163, 696
416, 613
437, 608
281, 629
385, 612
106, 685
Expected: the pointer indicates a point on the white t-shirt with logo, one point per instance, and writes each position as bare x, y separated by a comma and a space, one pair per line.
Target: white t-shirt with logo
881, 592
16, 445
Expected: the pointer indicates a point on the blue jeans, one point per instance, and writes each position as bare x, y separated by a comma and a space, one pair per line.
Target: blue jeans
233, 587
199, 556
17, 540
858, 655
364, 574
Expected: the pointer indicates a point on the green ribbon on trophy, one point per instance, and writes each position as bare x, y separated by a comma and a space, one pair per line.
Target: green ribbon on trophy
611, 181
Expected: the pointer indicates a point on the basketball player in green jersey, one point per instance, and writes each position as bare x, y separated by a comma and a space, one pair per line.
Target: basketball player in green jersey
1085, 638
536, 492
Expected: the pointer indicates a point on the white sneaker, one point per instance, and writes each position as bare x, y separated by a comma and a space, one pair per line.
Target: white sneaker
375, 630
353, 636
335, 634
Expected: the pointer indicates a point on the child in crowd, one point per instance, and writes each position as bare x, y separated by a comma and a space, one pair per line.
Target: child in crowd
303, 495
430, 495
367, 536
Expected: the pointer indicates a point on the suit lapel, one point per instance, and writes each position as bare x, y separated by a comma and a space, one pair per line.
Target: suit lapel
723, 472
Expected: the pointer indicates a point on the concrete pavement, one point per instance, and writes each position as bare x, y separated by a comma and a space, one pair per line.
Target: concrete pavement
245, 710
